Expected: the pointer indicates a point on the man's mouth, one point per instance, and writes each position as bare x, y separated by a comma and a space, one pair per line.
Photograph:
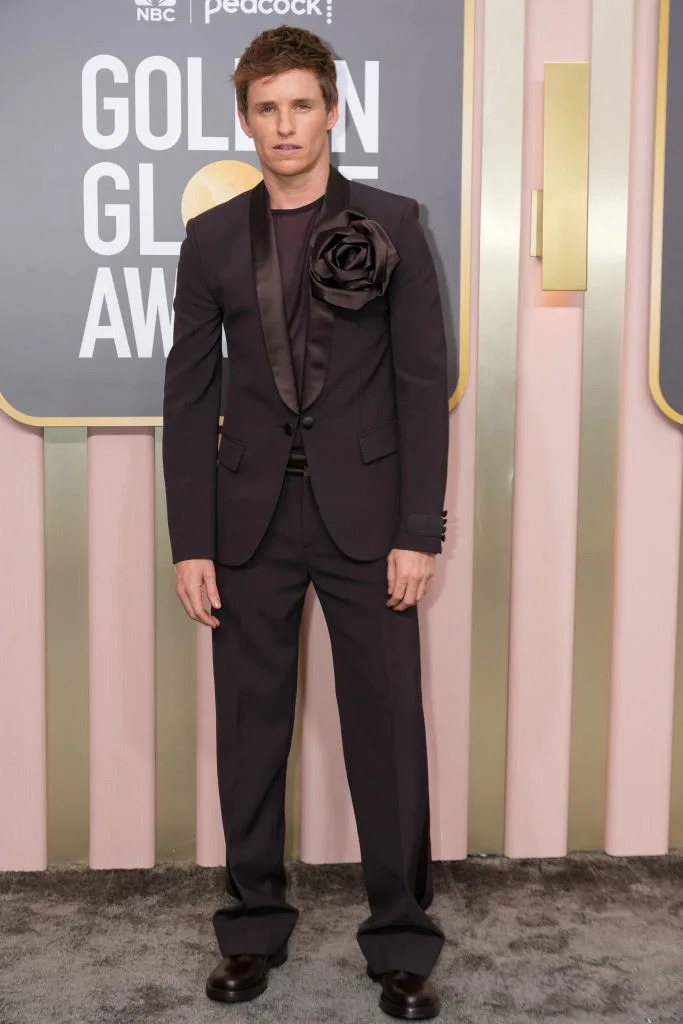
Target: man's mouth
287, 147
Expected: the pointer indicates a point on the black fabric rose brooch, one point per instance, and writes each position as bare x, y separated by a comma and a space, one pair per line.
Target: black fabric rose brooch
351, 260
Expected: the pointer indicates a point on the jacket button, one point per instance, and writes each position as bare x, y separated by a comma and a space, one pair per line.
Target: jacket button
307, 421
289, 428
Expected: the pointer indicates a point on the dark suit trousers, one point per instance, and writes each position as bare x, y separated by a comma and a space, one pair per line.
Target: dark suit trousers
376, 658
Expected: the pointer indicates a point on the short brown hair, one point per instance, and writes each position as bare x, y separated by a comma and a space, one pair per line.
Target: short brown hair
286, 48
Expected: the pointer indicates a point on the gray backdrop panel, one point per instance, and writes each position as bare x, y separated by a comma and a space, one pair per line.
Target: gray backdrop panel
671, 332
47, 268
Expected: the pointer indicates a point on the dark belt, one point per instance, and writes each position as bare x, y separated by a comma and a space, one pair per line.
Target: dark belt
297, 463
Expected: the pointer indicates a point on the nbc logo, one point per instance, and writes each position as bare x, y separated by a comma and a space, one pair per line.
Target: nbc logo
155, 10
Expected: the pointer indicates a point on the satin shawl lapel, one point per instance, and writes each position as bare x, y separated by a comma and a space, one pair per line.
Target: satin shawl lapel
270, 296
321, 314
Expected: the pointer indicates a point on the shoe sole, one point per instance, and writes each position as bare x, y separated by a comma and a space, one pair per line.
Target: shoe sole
402, 1012
242, 995
408, 1013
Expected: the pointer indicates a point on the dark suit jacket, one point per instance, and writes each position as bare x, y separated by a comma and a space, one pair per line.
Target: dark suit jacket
374, 407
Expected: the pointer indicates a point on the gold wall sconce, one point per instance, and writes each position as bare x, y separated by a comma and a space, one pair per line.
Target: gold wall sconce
559, 211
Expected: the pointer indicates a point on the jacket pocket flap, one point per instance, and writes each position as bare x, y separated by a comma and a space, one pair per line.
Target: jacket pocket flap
379, 441
230, 453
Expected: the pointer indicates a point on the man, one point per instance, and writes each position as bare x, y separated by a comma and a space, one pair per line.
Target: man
331, 469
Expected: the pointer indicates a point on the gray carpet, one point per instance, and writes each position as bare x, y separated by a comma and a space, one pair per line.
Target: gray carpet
584, 939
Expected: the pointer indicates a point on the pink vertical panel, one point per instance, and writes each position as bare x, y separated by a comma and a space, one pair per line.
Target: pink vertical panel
328, 830
122, 715
648, 524
23, 797
210, 839
547, 431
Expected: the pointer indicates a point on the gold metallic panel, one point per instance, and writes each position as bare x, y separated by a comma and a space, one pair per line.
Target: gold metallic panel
175, 697
610, 116
66, 648
498, 291
536, 235
565, 176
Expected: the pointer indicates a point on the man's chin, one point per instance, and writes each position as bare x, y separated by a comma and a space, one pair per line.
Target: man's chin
289, 166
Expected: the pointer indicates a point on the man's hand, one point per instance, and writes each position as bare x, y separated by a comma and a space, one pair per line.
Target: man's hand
190, 576
409, 574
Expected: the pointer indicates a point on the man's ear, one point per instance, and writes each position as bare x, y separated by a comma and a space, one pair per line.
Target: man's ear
244, 123
332, 117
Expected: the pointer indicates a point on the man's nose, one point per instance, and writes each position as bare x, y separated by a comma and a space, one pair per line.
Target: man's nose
285, 124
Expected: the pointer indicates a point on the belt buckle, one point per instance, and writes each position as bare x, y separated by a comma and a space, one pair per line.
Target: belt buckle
297, 463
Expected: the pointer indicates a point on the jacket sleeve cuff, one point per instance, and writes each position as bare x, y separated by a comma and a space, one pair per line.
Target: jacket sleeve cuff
422, 531
415, 542
184, 554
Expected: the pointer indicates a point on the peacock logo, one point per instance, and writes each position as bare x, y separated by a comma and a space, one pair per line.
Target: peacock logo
298, 8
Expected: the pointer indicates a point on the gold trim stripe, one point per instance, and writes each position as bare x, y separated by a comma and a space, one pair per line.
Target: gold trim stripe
610, 120
78, 421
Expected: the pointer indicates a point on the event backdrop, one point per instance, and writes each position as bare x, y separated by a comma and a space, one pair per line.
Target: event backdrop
552, 638
126, 125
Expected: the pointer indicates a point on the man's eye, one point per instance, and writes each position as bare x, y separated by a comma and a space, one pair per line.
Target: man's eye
304, 106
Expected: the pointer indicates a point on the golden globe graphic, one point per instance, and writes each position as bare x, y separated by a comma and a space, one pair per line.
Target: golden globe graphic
216, 183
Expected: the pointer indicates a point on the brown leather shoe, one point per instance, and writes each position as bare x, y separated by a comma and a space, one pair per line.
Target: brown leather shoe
407, 995
242, 976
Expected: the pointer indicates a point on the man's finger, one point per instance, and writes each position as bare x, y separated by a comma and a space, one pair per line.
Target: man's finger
212, 590
397, 591
409, 596
198, 612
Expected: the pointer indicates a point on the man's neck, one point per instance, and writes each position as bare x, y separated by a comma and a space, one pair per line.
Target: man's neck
286, 193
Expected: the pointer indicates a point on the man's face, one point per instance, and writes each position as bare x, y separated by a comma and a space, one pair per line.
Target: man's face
287, 120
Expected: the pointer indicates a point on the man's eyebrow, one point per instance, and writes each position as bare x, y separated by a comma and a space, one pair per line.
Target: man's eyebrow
272, 103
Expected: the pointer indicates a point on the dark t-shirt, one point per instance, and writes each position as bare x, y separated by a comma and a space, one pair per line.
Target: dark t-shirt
293, 230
